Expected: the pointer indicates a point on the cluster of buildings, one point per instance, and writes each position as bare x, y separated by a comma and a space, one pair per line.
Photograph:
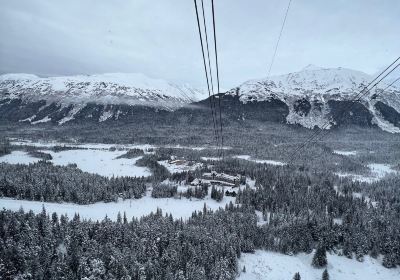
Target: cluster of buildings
220, 179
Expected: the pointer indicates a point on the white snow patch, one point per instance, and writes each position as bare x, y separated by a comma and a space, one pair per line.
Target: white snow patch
275, 266
345, 153
44, 120
260, 218
379, 120
102, 162
266, 161
176, 168
179, 208
71, 114
18, 157
105, 116
101, 146
211, 158
28, 119
381, 169
90, 146
378, 171
337, 221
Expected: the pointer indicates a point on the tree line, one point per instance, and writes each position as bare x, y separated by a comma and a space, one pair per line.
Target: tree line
43, 181
156, 246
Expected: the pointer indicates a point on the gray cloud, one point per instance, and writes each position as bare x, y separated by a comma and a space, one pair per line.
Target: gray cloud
159, 38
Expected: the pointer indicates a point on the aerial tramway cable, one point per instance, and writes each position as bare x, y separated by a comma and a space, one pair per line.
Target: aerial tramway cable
205, 70
279, 39
217, 71
211, 79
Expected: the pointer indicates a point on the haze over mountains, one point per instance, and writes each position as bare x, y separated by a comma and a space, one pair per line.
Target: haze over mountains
310, 97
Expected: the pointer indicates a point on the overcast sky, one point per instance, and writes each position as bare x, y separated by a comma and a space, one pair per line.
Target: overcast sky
159, 37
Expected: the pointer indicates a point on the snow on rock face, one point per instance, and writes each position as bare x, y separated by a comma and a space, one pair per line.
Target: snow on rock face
111, 88
308, 92
309, 81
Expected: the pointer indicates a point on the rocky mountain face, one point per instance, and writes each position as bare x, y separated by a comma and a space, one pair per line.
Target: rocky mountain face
323, 97
312, 97
28, 98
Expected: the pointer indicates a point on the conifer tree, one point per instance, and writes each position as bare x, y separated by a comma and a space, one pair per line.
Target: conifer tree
319, 260
325, 275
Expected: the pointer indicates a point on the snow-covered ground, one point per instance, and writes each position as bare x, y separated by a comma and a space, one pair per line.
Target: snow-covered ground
260, 219
101, 146
274, 266
377, 172
345, 153
102, 162
90, 146
175, 168
266, 161
18, 157
179, 208
211, 158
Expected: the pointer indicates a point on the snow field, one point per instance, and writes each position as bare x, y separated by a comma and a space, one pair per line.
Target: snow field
102, 162
378, 171
176, 168
345, 153
101, 146
267, 161
179, 208
18, 157
275, 266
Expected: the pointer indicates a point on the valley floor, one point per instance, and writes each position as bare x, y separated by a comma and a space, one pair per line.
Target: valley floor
100, 159
179, 208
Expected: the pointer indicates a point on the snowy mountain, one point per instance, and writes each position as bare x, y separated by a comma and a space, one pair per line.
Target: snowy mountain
315, 96
312, 97
70, 94
112, 88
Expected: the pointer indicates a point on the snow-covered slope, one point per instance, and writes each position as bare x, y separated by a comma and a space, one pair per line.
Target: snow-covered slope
307, 94
274, 266
312, 97
113, 88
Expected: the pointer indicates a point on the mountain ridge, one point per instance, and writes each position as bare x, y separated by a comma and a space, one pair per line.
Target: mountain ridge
311, 92
108, 88
312, 97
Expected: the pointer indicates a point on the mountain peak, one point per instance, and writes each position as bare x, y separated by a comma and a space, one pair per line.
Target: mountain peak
311, 67
108, 88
